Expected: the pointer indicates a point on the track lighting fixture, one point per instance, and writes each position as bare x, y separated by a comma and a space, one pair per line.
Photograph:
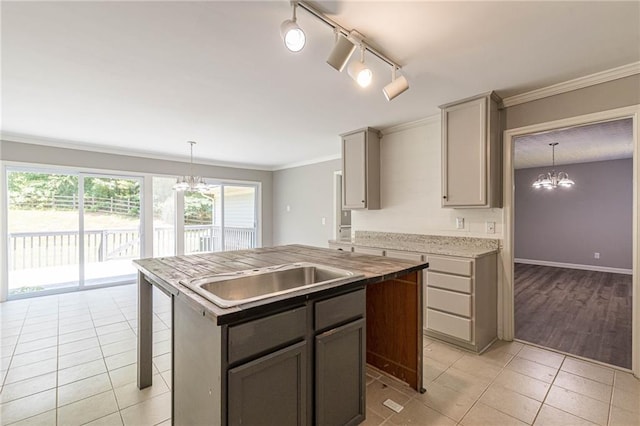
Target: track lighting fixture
396, 87
345, 44
341, 52
292, 35
359, 71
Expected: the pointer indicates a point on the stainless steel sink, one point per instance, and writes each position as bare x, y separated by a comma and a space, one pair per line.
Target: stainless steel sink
236, 288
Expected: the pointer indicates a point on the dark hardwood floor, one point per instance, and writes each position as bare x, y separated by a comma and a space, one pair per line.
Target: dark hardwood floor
585, 313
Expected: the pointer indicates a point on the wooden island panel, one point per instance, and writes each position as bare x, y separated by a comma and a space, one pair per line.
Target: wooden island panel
394, 334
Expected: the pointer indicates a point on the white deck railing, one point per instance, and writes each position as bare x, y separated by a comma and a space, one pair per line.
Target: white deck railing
30, 250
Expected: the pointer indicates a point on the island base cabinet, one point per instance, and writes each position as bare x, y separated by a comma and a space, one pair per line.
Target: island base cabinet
197, 359
340, 375
271, 390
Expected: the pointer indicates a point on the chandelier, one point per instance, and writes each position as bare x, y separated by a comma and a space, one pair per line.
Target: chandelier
552, 180
191, 183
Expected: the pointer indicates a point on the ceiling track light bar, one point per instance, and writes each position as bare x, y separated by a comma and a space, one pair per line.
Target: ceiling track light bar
337, 27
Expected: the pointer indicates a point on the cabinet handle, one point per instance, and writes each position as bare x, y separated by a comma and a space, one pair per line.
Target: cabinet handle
444, 196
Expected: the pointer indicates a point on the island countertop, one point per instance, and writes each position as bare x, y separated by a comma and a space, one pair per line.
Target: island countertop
167, 272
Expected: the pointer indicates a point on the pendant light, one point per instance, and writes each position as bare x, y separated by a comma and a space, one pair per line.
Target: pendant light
191, 183
552, 180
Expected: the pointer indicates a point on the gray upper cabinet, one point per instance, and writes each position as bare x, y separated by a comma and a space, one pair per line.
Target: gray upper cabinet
472, 153
361, 170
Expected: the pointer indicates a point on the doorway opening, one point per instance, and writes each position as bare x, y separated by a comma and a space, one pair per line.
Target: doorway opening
571, 252
342, 218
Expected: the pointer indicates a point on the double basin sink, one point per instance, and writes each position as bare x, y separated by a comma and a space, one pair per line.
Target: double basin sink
236, 288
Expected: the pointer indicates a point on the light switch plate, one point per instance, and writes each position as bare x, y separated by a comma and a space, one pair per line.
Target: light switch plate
459, 222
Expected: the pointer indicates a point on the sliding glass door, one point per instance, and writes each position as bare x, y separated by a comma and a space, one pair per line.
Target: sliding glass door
111, 219
43, 223
239, 217
220, 220
70, 230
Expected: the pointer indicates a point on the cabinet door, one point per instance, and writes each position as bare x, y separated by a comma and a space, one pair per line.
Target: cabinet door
354, 171
270, 390
340, 375
464, 154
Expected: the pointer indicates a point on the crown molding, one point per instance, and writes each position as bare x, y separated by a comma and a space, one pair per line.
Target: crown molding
412, 124
103, 149
307, 162
575, 84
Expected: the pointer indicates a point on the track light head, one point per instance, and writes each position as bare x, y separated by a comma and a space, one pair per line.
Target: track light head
359, 71
341, 52
292, 35
397, 86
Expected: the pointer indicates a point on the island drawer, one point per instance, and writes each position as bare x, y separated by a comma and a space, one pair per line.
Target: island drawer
261, 335
449, 301
450, 266
449, 282
449, 324
339, 309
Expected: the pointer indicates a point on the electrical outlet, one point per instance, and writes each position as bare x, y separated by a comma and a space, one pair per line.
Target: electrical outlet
288, 208
491, 227
324, 220
596, 255
459, 222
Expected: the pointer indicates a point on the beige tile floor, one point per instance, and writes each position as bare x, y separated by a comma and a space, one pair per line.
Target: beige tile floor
70, 360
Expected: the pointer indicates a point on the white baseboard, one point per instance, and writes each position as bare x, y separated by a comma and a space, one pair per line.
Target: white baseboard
575, 266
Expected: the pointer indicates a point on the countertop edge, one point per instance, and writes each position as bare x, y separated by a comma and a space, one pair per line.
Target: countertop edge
464, 252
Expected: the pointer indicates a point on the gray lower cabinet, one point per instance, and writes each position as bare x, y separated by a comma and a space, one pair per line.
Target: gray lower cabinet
271, 389
461, 300
295, 367
340, 384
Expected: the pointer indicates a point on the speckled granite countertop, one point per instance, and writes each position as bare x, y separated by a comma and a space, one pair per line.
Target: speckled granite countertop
432, 244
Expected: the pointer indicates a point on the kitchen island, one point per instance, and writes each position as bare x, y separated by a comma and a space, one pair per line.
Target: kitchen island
295, 358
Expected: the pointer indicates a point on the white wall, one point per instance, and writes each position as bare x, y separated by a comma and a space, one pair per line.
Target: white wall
410, 185
308, 191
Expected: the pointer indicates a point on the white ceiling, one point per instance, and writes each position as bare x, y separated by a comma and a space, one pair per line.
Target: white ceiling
148, 76
610, 140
